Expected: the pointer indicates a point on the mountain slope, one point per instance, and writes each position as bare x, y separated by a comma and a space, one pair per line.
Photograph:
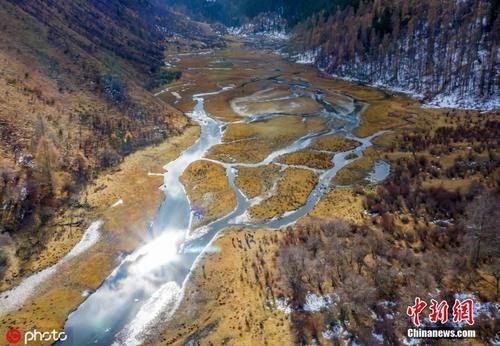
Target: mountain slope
74, 99
445, 51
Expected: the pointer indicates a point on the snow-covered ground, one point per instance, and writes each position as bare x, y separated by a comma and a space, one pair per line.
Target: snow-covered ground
488, 310
404, 83
270, 26
313, 303
306, 58
246, 31
437, 101
317, 303
282, 305
454, 101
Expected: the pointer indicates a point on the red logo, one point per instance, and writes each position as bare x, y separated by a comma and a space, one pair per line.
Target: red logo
415, 310
439, 311
463, 311
13, 336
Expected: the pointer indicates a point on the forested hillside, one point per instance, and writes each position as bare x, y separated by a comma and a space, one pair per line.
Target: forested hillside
75, 81
446, 51
235, 12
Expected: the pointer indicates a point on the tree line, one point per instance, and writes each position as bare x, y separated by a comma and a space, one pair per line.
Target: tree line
235, 12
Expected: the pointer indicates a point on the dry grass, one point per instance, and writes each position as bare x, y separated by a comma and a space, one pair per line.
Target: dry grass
339, 203
231, 307
206, 301
309, 158
292, 190
208, 189
356, 171
383, 110
255, 181
338, 99
255, 141
224, 292
385, 114
124, 227
276, 99
220, 105
334, 143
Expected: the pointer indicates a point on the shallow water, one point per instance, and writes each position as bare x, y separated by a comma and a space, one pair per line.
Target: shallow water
147, 286
381, 170
154, 268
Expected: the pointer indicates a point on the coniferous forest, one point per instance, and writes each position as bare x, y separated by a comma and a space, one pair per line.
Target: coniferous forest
445, 48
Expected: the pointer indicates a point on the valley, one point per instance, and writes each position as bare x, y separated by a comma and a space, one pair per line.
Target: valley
235, 294
256, 201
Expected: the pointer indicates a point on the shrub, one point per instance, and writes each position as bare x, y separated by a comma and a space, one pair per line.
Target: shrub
108, 158
164, 77
113, 88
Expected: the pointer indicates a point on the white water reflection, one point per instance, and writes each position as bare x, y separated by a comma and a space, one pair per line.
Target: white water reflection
167, 298
149, 280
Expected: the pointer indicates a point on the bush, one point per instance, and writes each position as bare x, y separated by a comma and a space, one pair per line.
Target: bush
108, 158
164, 77
113, 88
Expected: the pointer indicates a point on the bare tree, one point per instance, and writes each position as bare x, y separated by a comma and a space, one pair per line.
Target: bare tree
483, 226
356, 294
291, 263
494, 270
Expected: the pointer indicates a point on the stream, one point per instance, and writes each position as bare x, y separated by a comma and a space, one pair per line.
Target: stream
148, 284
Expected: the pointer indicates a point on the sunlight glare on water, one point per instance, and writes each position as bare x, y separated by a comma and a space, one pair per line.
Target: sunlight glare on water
157, 253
